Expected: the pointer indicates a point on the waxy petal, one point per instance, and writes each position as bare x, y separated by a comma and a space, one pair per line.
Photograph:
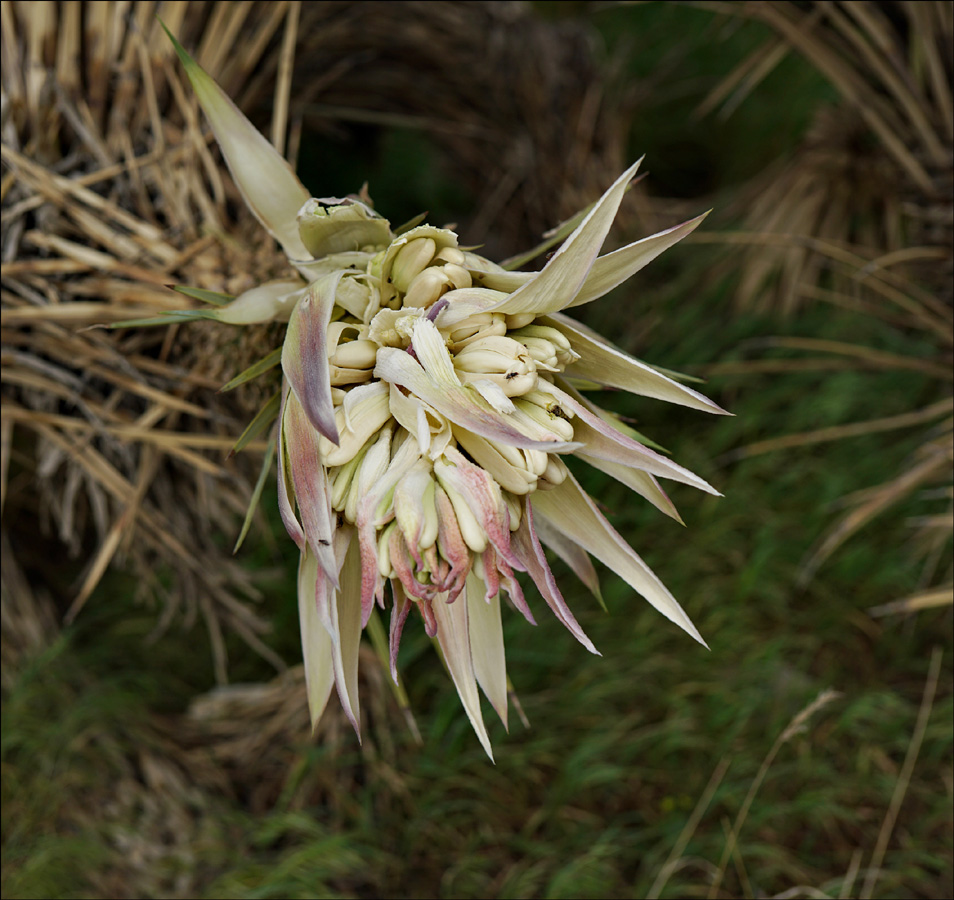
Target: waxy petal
482, 495
344, 625
400, 607
268, 184
572, 554
602, 441
461, 404
315, 639
527, 547
310, 482
571, 511
453, 636
305, 355
560, 281
328, 230
636, 480
285, 506
487, 645
367, 514
614, 268
607, 366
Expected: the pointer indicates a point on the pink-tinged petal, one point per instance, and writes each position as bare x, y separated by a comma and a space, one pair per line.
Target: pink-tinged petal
452, 545
487, 646
605, 365
561, 279
344, 625
527, 547
571, 511
572, 554
453, 636
482, 495
285, 507
614, 268
315, 640
401, 563
636, 480
305, 355
401, 606
461, 404
409, 500
367, 518
310, 482
602, 441
267, 182
506, 579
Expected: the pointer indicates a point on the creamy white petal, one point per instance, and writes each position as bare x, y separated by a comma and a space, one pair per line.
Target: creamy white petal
273, 300
453, 635
614, 268
487, 644
569, 509
268, 184
601, 440
305, 355
636, 480
605, 365
315, 639
461, 404
561, 279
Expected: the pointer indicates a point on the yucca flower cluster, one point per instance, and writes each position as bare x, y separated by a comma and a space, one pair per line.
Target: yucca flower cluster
429, 397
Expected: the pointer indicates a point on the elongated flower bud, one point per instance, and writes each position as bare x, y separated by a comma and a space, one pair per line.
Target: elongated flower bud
503, 360
413, 258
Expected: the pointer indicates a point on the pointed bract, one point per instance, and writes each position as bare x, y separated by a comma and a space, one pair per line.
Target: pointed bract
614, 268
305, 355
267, 182
453, 635
571, 511
561, 279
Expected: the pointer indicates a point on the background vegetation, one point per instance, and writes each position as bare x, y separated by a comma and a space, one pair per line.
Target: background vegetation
808, 753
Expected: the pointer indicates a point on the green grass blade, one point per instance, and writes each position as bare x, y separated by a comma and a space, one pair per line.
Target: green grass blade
265, 416
253, 371
256, 494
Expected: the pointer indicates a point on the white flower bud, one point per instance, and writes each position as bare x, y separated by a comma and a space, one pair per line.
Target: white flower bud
516, 511
519, 320
458, 276
542, 351
474, 327
359, 354
565, 353
412, 259
451, 255
504, 361
555, 473
507, 465
427, 288
560, 426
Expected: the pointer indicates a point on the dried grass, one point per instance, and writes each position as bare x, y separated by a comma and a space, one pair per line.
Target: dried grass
862, 217
111, 190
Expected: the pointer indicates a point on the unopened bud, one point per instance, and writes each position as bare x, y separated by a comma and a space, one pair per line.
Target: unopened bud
427, 288
412, 259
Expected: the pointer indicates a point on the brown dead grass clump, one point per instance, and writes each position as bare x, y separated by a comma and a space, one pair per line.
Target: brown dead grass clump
114, 442
862, 217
